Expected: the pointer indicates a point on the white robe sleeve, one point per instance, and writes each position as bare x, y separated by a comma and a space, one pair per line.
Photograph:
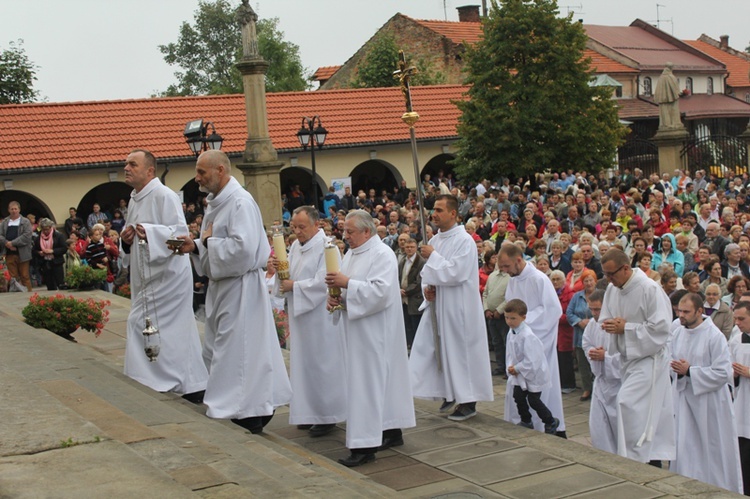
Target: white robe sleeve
310, 294
716, 376
157, 236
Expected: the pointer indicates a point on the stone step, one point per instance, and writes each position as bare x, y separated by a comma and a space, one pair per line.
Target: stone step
212, 458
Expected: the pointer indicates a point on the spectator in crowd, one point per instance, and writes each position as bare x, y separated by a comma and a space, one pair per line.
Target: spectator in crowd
71, 258
50, 247
691, 282
717, 310
669, 253
15, 243
95, 217
733, 264
736, 287
410, 279
71, 221
493, 301
579, 315
713, 271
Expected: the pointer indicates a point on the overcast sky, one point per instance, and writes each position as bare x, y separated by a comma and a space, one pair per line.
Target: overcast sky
106, 49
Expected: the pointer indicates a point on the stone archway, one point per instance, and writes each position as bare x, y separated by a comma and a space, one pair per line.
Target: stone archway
29, 204
108, 196
437, 164
300, 175
375, 174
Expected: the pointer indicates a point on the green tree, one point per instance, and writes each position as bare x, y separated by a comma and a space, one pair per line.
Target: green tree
377, 67
207, 51
530, 106
17, 76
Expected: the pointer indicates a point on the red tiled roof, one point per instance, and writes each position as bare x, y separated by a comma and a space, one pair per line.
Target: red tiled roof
649, 50
603, 64
88, 133
325, 72
457, 32
738, 68
636, 108
713, 106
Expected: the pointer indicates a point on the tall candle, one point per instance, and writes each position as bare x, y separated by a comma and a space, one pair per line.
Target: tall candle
279, 247
332, 258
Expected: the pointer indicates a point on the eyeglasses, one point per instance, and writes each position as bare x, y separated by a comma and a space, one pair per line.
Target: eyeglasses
610, 274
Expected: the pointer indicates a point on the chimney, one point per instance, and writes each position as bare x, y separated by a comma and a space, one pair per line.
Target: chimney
468, 14
724, 42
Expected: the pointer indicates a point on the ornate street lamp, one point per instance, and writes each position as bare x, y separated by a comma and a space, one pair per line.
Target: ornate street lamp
197, 138
312, 135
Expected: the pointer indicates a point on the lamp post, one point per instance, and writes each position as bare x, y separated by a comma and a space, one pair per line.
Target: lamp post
310, 134
197, 138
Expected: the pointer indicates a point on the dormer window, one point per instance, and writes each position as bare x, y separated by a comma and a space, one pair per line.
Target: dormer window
710, 86
689, 84
647, 86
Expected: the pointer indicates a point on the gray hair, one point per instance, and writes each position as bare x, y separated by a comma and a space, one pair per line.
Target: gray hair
557, 273
362, 220
730, 247
310, 211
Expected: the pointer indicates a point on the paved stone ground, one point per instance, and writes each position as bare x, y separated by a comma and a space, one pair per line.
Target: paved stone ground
74, 426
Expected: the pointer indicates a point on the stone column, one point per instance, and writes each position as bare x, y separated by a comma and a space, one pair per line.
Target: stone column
260, 165
670, 143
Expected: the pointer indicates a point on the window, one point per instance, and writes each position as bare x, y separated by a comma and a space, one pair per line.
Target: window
747, 98
647, 86
689, 84
618, 92
710, 86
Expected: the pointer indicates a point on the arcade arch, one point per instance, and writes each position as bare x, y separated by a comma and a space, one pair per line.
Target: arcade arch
29, 204
108, 196
375, 174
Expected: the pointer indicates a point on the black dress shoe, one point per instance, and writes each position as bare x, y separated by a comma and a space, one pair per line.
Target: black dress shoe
318, 430
355, 460
252, 424
304, 426
266, 419
391, 442
195, 397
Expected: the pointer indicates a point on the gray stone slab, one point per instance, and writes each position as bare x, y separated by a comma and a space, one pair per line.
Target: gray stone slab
504, 466
410, 476
439, 436
105, 469
621, 491
164, 455
560, 482
466, 451
454, 488
34, 421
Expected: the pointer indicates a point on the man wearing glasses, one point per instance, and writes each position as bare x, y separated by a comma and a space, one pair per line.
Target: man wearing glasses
637, 313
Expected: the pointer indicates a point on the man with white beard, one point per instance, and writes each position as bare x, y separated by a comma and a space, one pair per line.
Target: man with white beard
163, 290
535, 289
247, 377
379, 401
317, 362
638, 314
707, 446
606, 369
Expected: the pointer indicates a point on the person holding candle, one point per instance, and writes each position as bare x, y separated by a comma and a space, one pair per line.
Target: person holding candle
317, 363
379, 400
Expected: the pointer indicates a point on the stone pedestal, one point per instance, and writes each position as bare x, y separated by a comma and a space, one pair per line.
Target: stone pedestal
670, 142
263, 182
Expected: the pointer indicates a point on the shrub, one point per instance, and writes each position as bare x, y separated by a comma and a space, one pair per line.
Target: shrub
83, 277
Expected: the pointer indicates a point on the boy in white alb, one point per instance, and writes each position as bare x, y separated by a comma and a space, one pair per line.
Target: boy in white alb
528, 370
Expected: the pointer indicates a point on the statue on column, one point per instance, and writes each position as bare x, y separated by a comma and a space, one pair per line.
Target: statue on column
246, 18
667, 95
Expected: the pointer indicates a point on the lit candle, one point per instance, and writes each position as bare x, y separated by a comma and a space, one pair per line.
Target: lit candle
279, 247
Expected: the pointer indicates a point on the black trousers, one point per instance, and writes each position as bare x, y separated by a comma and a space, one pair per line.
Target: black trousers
411, 323
392, 433
498, 331
53, 275
524, 399
745, 463
565, 366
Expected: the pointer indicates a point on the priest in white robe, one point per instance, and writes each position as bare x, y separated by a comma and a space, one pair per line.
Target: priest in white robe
606, 368
165, 296
707, 447
379, 400
450, 283
317, 360
739, 349
638, 315
535, 289
247, 376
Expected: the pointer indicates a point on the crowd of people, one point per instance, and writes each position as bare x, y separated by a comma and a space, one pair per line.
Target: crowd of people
640, 285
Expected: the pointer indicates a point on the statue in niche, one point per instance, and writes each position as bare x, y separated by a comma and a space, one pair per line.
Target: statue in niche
667, 95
